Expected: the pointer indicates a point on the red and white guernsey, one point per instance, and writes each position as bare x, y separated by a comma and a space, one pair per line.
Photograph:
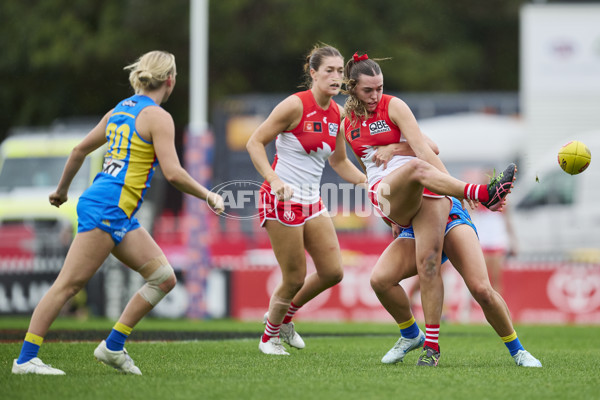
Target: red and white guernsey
378, 130
302, 151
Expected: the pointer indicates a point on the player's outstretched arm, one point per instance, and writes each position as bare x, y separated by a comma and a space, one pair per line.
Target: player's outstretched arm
163, 137
93, 140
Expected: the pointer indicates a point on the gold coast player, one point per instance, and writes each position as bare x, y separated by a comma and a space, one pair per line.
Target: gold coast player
462, 247
305, 126
140, 134
397, 189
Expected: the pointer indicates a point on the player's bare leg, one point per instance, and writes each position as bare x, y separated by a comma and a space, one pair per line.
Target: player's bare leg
396, 263
462, 247
86, 254
139, 251
321, 242
288, 245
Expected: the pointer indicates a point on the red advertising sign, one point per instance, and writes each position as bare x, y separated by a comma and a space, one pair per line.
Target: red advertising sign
535, 293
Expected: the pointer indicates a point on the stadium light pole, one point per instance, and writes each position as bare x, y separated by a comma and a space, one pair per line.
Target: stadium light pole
198, 145
198, 67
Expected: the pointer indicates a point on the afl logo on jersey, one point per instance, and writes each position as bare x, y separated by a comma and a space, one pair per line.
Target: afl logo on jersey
378, 127
289, 215
333, 129
313, 126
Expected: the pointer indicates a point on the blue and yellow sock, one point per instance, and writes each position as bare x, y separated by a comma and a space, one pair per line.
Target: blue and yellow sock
409, 329
117, 337
512, 343
30, 348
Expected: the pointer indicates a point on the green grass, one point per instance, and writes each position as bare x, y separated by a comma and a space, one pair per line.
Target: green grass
474, 365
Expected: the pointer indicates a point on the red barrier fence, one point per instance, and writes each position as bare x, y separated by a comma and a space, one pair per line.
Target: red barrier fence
549, 292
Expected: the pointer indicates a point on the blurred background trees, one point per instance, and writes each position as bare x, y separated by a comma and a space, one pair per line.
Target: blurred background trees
65, 58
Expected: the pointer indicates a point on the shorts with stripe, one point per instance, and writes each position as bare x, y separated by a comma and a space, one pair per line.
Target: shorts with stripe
288, 213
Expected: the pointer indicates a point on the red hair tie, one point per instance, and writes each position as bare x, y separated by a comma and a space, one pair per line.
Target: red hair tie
358, 58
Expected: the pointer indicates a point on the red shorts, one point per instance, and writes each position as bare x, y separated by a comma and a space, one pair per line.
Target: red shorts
375, 201
287, 212
494, 251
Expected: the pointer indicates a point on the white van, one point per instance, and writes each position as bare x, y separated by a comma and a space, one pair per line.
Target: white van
556, 214
31, 163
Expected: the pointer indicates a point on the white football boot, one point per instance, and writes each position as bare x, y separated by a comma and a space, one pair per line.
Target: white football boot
273, 346
35, 366
523, 358
288, 334
403, 346
119, 360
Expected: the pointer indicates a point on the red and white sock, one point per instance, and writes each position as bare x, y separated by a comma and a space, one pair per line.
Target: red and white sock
476, 192
270, 331
290, 313
432, 335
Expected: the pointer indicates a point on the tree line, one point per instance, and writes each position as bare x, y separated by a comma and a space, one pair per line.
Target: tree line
60, 58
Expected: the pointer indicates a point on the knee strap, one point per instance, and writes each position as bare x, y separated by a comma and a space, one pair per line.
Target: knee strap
155, 272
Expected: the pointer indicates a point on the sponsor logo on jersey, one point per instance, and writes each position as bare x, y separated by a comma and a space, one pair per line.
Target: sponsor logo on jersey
310, 114
121, 233
112, 166
333, 129
289, 215
378, 127
129, 103
313, 126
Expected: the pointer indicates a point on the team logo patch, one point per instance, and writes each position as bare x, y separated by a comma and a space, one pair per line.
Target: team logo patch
378, 127
311, 126
354, 134
333, 129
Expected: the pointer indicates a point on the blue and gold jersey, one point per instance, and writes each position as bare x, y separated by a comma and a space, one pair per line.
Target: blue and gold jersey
129, 162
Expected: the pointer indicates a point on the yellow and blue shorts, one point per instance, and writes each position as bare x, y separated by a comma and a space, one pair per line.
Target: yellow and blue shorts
457, 216
110, 218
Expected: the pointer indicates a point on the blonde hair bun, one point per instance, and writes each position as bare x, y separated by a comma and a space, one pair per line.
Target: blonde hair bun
151, 70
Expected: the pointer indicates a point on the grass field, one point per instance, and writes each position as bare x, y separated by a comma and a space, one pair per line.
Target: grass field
341, 361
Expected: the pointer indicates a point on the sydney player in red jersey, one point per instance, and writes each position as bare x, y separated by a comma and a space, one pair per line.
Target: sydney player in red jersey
305, 128
407, 189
